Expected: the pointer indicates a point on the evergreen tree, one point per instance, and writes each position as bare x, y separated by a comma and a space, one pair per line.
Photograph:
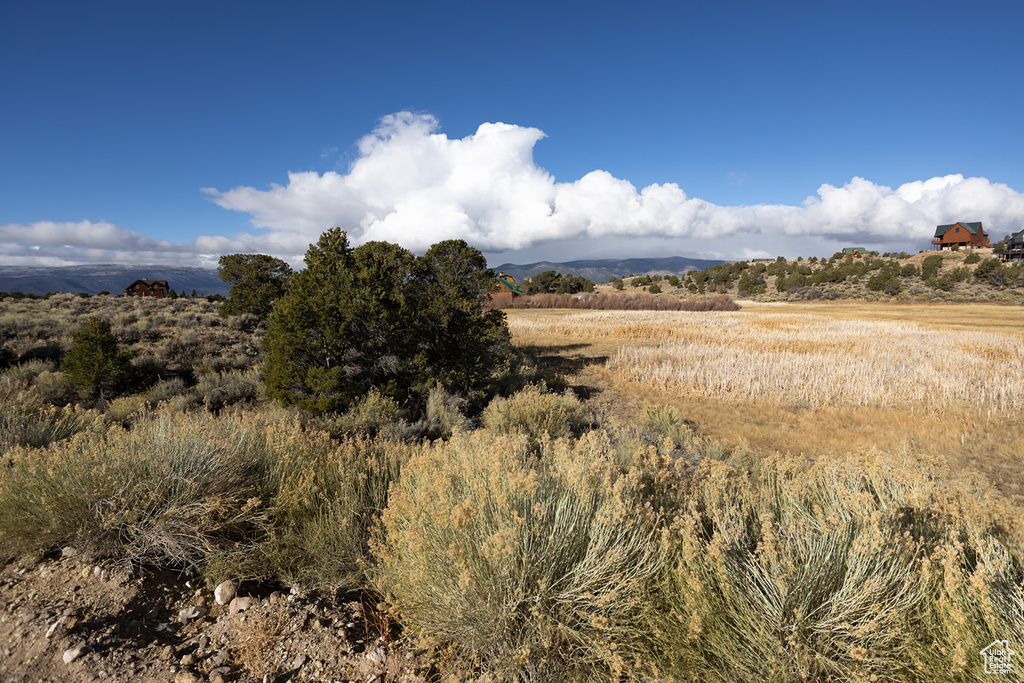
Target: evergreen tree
378, 318
95, 365
257, 281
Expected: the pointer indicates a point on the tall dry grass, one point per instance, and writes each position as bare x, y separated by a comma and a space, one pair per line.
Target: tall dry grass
803, 360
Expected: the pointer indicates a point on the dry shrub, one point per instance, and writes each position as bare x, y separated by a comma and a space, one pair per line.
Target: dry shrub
640, 301
28, 421
170, 492
531, 567
256, 641
534, 412
324, 499
874, 568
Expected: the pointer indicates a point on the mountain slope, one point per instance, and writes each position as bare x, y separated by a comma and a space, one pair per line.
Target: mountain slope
110, 277
600, 270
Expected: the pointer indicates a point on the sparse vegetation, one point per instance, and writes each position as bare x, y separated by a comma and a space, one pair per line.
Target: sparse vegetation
698, 509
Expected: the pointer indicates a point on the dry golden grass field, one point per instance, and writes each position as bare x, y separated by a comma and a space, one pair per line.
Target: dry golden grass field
934, 381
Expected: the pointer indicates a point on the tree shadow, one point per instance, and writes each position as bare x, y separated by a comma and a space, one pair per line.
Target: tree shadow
557, 362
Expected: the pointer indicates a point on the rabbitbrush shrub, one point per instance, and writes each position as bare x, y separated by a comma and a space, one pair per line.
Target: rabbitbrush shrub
532, 567
874, 568
534, 412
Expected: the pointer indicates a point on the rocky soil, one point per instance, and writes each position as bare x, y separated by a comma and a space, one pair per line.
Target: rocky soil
67, 619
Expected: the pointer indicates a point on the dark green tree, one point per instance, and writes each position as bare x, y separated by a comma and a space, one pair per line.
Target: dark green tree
458, 343
257, 281
376, 317
95, 365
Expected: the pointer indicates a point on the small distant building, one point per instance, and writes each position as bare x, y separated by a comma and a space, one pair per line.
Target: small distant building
855, 251
506, 283
154, 288
1013, 250
970, 235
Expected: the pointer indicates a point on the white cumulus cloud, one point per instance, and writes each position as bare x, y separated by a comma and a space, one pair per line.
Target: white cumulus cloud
413, 185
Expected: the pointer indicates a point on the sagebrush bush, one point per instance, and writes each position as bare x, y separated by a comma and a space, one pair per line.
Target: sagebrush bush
324, 498
531, 567
171, 492
534, 412
26, 420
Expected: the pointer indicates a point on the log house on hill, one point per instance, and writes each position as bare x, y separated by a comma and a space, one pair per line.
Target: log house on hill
970, 235
154, 288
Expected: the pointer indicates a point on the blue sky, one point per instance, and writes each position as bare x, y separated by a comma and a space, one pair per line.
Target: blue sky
174, 132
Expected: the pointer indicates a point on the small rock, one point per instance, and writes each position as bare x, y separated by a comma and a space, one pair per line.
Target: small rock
376, 655
240, 605
276, 596
55, 626
299, 661
222, 658
204, 641
68, 551
191, 614
167, 652
96, 571
73, 653
217, 678
186, 676
220, 671
225, 592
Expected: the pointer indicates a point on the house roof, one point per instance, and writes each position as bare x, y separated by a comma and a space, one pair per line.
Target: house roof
510, 286
972, 228
1017, 238
850, 250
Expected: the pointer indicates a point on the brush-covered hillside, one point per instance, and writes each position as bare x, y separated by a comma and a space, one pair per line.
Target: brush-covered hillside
965, 275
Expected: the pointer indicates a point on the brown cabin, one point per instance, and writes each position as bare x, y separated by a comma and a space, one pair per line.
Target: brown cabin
154, 288
968, 235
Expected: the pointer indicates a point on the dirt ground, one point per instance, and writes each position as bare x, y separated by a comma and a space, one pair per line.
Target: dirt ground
67, 619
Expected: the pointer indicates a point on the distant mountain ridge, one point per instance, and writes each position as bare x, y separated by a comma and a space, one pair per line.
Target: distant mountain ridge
113, 278
600, 270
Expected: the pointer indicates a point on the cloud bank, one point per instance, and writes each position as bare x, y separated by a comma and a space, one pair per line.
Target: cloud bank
413, 185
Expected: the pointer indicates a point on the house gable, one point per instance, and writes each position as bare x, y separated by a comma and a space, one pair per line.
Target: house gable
963, 234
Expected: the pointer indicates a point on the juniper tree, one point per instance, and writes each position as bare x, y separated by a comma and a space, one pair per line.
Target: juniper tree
95, 365
377, 317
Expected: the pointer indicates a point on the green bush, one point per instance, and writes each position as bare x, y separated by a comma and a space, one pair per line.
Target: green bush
973, 257
95, 364
376, 317
257, 281
930, 266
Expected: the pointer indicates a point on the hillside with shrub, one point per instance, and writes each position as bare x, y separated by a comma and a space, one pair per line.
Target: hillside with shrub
959, 275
